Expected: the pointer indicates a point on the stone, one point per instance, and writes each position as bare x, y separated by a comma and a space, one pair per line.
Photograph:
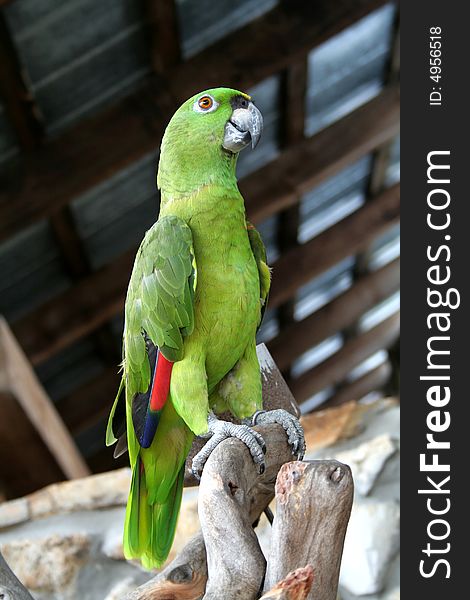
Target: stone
14, 512
372, 541
368, 460
323, 428
49, 565
112, 543
97, 491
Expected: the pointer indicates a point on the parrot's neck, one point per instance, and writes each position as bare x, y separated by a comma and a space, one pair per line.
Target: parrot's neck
213, 211
182, 171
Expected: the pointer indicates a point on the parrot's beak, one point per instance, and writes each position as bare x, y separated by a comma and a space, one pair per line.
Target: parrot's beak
245, 126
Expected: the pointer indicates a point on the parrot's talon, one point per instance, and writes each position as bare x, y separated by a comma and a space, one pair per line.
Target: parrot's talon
196, 474
221, 430
291, 425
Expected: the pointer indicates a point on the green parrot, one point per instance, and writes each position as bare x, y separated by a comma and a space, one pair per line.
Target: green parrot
195, 300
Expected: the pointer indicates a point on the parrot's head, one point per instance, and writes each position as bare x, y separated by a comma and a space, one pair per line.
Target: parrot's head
205, 135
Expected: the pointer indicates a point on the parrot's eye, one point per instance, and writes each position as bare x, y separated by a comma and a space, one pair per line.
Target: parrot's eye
205, 104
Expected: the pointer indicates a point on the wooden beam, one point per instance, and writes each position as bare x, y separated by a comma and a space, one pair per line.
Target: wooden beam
333, 245
16, 93
91, 402
100, 296
279, 184
335, 368
368, 291
162, 20
71, 246
19, 380
355, 390
78, 265
77, 312
95, 148
268, 44
381, 157
293, 99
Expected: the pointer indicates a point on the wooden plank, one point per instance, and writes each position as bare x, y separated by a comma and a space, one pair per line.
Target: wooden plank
370, 382
20, 381
347, 237
77, 312
381, 157
16, 93
268, 44
162, 20
333, 370
345, 309
100, 296
96, 148
270, 189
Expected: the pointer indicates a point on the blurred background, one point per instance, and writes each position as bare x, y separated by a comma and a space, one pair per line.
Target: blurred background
86, 90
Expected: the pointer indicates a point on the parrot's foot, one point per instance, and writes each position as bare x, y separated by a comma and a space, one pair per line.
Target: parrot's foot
292, 426
221, 430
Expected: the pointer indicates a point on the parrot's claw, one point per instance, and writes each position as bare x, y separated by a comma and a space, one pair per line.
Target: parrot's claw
220, 431
292, 426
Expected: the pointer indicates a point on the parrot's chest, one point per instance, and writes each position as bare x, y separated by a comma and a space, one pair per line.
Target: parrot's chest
227, 307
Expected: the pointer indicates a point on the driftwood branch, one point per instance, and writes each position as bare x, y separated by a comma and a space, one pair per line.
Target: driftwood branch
10, 587
183, 579
232, 496
224, 560
296, 586
313, 505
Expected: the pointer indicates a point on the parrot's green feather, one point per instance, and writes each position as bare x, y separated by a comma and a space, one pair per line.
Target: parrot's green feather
259, 252
110, 437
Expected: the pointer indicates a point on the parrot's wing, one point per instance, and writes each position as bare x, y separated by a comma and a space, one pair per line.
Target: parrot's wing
259, 252
160, 296
159, 309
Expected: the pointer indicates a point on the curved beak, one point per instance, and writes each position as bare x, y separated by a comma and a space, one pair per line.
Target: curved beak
245, 126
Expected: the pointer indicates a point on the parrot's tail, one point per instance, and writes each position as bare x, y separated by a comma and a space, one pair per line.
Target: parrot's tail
149, 528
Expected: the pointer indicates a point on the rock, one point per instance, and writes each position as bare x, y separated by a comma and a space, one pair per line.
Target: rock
96, 491
368, 460
122, 588
49, 565
372, 540
14, 512
112, 543
324, 428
